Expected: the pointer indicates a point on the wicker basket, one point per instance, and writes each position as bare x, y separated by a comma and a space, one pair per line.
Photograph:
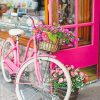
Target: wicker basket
50, 46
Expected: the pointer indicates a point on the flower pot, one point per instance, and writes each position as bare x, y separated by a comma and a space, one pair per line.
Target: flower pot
74, 95
61, 93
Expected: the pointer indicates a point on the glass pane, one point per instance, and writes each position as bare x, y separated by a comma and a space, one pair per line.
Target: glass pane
85, 11
69, 39
35, 8
85, 35
66, 12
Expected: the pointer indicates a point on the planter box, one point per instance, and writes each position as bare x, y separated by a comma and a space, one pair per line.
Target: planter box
61, 94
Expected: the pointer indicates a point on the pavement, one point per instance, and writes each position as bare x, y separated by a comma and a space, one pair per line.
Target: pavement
7, 91
90, 92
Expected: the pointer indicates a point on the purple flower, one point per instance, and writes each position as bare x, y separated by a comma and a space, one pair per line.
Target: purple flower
70, 45
65, 30
71, 39
39, 36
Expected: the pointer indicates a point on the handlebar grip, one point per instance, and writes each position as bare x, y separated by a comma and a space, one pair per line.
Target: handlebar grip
21, 15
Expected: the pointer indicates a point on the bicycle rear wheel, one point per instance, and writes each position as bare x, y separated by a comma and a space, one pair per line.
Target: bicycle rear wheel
28, 87
7, 46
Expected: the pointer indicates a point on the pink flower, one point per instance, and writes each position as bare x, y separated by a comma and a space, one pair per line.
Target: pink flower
65, 30
70, 45
66, 65
52, 71
75, 72
72, 66
72, 73
61, 80
57, 70
81, 74
69, 68
45, 36
60, 72
54, 75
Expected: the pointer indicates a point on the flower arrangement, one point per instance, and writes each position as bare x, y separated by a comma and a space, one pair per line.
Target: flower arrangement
79, 79
50, 34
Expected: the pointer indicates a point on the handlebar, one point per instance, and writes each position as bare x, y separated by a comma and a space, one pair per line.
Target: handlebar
26, 15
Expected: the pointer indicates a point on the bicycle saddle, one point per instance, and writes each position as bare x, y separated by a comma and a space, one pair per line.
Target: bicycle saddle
16, 32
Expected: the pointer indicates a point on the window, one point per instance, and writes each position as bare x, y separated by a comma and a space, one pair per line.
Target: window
77, 14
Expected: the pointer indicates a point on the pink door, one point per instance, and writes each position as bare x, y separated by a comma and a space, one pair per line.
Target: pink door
81, 17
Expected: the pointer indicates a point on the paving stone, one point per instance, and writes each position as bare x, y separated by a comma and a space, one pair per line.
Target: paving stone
90, 92
7, 91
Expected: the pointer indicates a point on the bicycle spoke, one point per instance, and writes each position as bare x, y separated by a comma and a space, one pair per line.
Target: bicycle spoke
47, 89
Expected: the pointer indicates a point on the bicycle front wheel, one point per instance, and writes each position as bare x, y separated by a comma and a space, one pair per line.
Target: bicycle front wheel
29, 88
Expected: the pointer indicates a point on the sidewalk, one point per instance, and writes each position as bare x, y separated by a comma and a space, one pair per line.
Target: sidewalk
7, 91
90, 92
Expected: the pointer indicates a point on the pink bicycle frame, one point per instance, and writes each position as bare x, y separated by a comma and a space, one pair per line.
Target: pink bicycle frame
14, 66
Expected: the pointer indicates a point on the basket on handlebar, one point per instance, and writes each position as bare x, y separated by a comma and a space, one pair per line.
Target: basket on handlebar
50, 38
49, 46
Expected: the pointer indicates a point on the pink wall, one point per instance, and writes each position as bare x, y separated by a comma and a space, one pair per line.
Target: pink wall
85, 55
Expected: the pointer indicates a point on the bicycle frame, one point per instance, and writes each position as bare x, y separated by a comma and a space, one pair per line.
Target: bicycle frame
35, 58
14, 66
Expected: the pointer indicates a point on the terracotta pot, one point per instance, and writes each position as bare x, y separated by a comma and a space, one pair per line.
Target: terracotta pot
74, 95
61, 92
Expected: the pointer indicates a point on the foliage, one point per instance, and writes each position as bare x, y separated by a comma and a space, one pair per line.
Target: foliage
78, 78
52, 33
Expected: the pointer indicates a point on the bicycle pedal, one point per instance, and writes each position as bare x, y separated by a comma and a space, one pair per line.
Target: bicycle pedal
13, 76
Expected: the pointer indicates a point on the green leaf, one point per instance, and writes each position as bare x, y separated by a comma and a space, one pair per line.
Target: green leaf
27, 74
67, 40
59, 34
52, 37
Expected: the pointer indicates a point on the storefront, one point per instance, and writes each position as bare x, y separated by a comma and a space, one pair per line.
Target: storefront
80, 17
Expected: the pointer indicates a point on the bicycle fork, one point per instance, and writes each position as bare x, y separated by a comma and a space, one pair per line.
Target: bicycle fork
36, 62
38, 71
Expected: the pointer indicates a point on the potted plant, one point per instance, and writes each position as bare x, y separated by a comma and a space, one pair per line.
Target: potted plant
79, 80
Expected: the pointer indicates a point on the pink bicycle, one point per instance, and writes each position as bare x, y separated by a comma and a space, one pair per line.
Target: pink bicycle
33, 76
